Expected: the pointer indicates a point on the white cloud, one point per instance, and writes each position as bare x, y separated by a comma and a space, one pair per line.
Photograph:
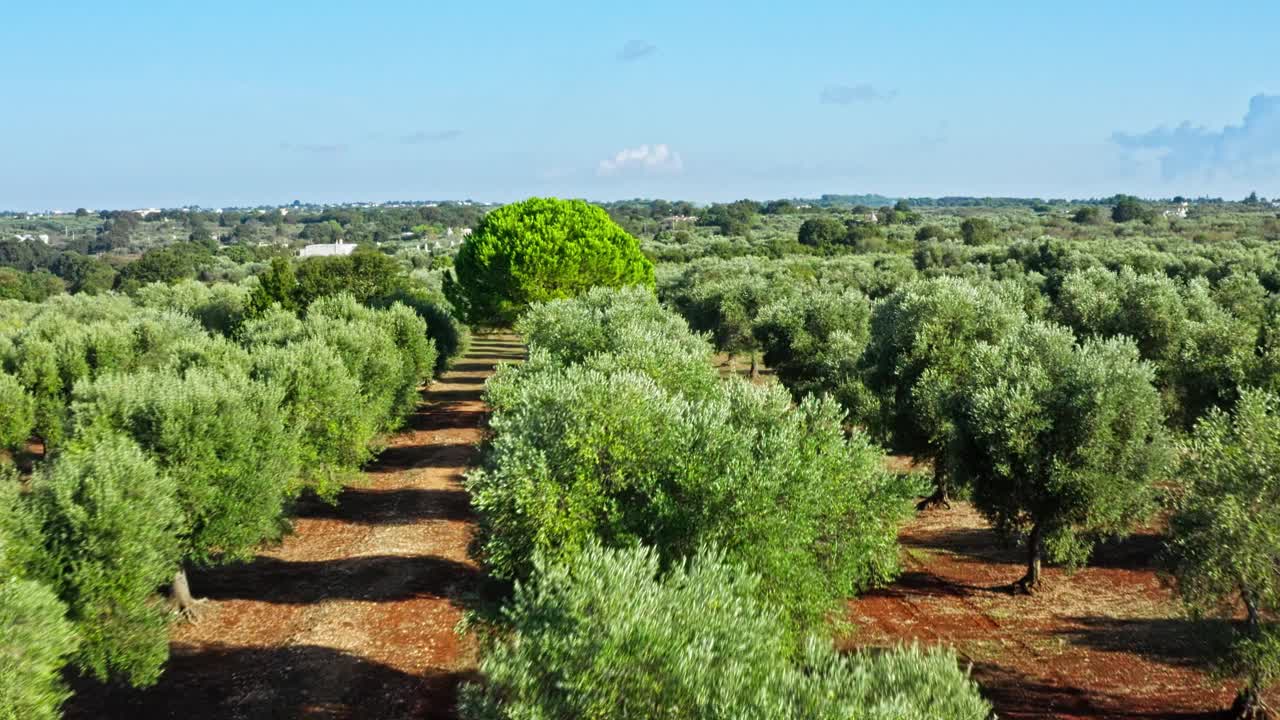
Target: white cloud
1248, 151
646, 158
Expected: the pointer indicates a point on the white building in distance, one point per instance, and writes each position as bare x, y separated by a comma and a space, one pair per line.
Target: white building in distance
327, 250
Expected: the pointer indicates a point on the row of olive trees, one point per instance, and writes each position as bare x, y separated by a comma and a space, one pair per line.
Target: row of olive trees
167, 447
1063, 437
755, 519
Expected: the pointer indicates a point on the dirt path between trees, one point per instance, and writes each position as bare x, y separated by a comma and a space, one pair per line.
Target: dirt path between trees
354, 614
1108, 641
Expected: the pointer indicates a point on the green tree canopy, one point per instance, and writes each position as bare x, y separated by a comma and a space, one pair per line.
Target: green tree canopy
542, 249
928, 327
108, 522
36, 642
1127, 208
1060, 443
978, 231
814, 340
1224, 531
822, 231
611, 635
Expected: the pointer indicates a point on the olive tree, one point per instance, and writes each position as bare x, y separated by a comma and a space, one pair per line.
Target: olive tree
1060, 443
928, 327
612, 635
17, 412
66, 343
814, 340
450, 337
573, 329
727, 309
542, 249
1223, 534
107, 523
413, 356
38, 639
822, 231
322, 401
35, 644
603, 452
1201, 352
387, 351
978, 231
222, 437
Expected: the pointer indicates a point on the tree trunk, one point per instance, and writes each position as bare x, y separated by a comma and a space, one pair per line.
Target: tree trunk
1252, 623
733, 364
1249, 705
941, 496
755, 368
1031, 581
180, 598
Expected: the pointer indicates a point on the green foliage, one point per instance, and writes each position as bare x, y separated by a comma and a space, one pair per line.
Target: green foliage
735, 218
1225, 530
611, 635
978, 231
29, 286
1060, 442
84, 273
386, 351
364, 274
616, 450
450, 337
571, 330
822, 231
168, 264
219, 308
1127, 208
35, 644
814, 341
221, 436
1087, 215
17, 412
278, 285
930, 232
727, 310
82, 338
322, 401
543, 249
392, 366
109, 523
1202, 352
928, 327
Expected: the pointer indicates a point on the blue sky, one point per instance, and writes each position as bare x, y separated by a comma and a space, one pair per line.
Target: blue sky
145, 103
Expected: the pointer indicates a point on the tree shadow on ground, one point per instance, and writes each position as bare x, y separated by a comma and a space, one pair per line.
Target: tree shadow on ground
1019, 697
1139, 551
377, 578
271, 684
437, 397
424, 455
404, 506
469, 380
444, 418
977, 544
473, 364
918, 583
1176, 642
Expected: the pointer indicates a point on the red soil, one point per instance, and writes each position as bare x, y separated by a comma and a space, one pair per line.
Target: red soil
354, 614
1108, 641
